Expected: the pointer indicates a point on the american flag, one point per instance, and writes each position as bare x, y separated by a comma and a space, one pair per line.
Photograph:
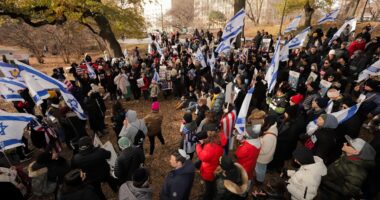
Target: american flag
228, 123
50, 135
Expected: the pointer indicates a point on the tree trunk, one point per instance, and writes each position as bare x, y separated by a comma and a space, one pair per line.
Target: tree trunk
238, 5
108, 36
309, 11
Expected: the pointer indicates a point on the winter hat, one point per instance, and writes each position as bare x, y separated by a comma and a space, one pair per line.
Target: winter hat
155, 106
332, 52
314, 85
303, 155
322, 102
216, 90
124, 143
296, 99
140, 176
73, 178
226, 163
292, 111
330, 121
84, 143
374, 85
188, 117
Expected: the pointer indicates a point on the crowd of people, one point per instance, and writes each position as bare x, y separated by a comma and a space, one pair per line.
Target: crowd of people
293, 145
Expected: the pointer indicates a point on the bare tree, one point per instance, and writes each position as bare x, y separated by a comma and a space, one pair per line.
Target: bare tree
374, 9
254, 10
181, 14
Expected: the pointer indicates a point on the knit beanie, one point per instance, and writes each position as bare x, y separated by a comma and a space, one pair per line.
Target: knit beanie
226, 163
303, 155
124, 143
296, 99
140, 176
155, 106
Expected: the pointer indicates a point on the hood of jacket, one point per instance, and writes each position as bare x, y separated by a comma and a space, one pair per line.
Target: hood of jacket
235, 188
330, 122
131, 116
317, 167
191, 126
35, 173
140, 193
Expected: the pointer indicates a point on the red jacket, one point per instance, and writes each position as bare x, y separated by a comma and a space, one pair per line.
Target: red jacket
247, 154
209, 155
354, 46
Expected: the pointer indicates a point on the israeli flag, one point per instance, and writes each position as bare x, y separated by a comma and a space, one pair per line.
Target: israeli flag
156, 76
373, 70
271, 75
241, 119
90, 71
159, 50
10, 71
39, 84
9, 89
298, 41
223, 47
234, 26
200, 58
329, 107
294, 24
329, 17
346, 114
351, 23
284, 53
12, 127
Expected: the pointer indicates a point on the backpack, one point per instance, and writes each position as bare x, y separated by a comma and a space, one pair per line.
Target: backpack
139, 137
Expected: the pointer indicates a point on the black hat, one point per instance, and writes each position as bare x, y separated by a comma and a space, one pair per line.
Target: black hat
216, 90
73, 178
140, 176
303, 155
226, 163
373, 84
322, 102
84, 143
188, 117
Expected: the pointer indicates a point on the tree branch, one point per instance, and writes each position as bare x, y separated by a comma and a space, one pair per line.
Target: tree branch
89, 27
28, 19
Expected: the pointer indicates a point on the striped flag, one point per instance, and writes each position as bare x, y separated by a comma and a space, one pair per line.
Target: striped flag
240, 121
271, 75
156, 76
90, 71
294, 24
298, 41
373, 70
228, 124
200, 58
329, 17
10, 71
350, 23
9, 89
12, 129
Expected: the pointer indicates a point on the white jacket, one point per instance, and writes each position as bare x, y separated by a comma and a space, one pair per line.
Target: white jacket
268, 145
304, 183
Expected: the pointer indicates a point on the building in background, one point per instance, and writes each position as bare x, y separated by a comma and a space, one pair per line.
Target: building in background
202, 9
155, 13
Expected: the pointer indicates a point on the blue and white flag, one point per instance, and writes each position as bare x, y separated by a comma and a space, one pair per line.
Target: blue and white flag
350, 23
156, 76
233, 27
10, 71
90, 71
329, 17
299, 40
12, 129
284, 53
9, 89
271, 75
373, 70
159, 50
241, 119
346, 114
200, 58
293, 24
39, 83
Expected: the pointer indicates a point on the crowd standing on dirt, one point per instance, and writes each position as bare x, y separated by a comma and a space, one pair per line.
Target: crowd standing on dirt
280, 155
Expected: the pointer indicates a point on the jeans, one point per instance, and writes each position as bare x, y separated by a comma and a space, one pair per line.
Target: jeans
152, 139
260, 169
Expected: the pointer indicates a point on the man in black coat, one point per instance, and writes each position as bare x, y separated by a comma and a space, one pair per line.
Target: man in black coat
93, 161
178, 183
129, 160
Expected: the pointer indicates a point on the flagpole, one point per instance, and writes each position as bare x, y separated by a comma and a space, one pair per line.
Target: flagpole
282, 18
